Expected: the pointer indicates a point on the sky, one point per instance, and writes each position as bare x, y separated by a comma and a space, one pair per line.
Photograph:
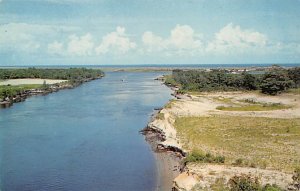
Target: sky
116, 32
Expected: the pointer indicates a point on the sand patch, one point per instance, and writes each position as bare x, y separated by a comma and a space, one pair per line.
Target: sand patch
26, 81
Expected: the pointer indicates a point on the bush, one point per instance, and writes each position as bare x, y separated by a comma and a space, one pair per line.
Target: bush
294, 74
238, 162
244, 183
275, 82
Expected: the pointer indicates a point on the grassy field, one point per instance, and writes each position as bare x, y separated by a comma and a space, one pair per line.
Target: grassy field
244, 141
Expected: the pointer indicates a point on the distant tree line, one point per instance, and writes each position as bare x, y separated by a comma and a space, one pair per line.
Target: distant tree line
75, 76
63, 74
272, 82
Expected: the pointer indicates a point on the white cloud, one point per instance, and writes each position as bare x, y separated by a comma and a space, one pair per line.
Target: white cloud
55, 48
233, 39
80, 46
182, 40
153, 42
24, 37
184, 37
116, 42
19, 37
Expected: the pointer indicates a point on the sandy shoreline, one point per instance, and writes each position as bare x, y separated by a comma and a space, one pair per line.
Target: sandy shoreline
168, 163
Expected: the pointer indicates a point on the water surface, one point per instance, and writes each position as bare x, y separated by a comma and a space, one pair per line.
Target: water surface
84, 138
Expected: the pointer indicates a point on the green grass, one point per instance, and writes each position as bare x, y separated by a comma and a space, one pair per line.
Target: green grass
259, 142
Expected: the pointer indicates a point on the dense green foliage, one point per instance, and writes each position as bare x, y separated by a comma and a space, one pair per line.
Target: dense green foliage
294, 75
197, 80
275, 82
272, 82
63, 74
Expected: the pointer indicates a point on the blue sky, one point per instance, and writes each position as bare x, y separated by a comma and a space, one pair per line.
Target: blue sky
60, 32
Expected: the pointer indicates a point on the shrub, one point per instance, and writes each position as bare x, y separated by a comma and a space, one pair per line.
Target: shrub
296, 179
244, 183
275, 82
238, 162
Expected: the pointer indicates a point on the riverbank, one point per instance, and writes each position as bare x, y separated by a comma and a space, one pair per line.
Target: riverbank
168, 160
50, 87
195, 109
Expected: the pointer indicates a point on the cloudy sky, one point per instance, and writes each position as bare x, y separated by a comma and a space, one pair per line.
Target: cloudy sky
46, 32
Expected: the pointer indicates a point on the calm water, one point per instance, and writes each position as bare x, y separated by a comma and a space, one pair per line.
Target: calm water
82, 139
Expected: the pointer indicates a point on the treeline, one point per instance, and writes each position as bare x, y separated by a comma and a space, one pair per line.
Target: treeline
75, 77
272, 82
72, 74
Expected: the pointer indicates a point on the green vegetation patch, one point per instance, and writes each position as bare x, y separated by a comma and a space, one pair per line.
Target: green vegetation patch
72, 74
75, 76
260, 142
170, 81
256, 107
8, 91
199, 156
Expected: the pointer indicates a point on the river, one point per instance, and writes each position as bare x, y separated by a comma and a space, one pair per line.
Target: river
86, 138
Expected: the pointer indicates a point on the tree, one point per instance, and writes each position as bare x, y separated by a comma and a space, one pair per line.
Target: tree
294, 74
275, 82
249, 81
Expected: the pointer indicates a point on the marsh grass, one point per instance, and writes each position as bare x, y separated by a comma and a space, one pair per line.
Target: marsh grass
262, 142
